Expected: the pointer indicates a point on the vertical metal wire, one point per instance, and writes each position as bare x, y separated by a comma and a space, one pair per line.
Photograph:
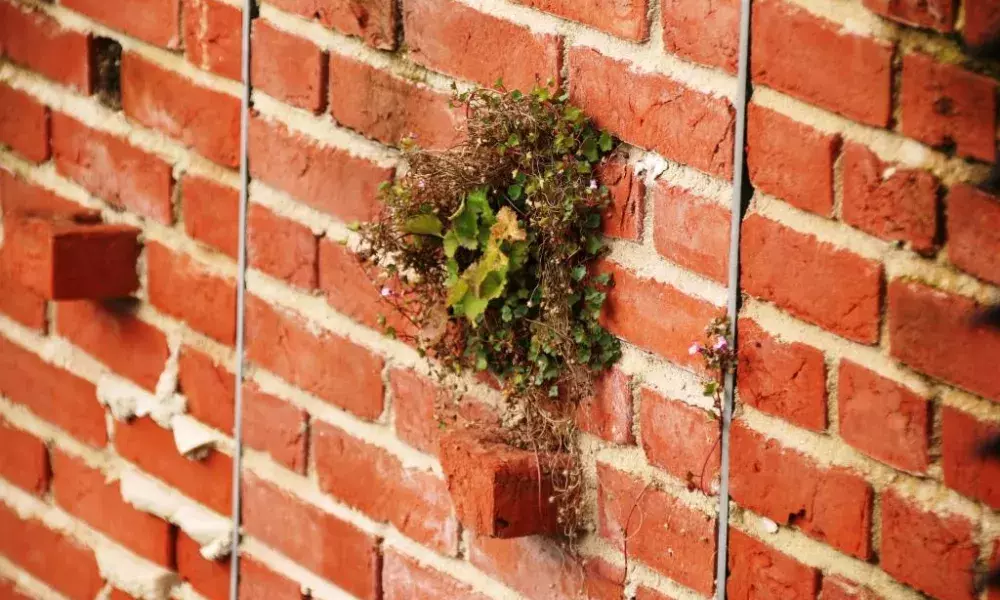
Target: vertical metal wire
249, 8
741, 191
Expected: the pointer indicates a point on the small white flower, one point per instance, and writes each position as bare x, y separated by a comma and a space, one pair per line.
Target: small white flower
386, 292
720, 344
421, 184
593, 184
694, 349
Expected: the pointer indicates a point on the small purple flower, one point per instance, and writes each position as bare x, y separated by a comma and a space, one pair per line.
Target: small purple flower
386, 292
720, 344
421, 184
694, 349
593, 184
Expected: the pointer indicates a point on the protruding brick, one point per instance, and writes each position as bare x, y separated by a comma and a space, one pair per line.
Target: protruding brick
258, 582
692, 231
208, 387
943, 105
374, 21
287, 67
626, 19
933, 553
833, 288
153, 21
882, 418
24, 460
663, 115
53, 394
608, 413
832, 505
965, 470
205, 120
213, 32
974, 232
24, 123
703, 31
320, 542
682, 439
814, 59
933, 14
181, 287
210, 578
757, 571
933, 332
276, 427
211, 213
403, 578
282, 248
328, 366
624, 216
452, 37
886, 201
666, 522
328, 179
38, 42
534, 566
790, 160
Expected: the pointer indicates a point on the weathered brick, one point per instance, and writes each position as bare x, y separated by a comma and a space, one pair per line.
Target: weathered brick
454, 38
882, 418
329, 366
205, 120
624, 216
833, 288
211, 213
832, 505
965, 470
258, 582
58, 396
10, 591
372, 20
982, 22
24, 460
414, 397
838, 588
814, 59
208, 387
35, 40
974, 232
759, 572
153, 21
213, 34
691, 231
534, 566
328, 179
608, 412
210, 578
933, 553
320, 542
282, 248
703, 31
682, 439
276, 427
933, 332
663, 115
403, 578
287, 67
944, 105
21, 303
113, 170
625, 19
23, 197
933, 14
24, 124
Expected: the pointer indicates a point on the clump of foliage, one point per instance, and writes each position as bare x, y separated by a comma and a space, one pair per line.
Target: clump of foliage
490, 247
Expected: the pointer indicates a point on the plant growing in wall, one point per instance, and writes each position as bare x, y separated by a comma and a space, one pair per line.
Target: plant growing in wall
486, 252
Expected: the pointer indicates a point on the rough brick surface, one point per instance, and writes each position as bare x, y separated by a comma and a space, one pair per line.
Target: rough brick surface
36, 41
534, 566
964, 469
404, 578
608, 413
208, 387
372, 20
20, 303
19, 196
813, 59
213, 36
24, 460
662, 115
974, 232
757, 571
624, 18
838, 588
210, 578
288, 67
414, 397
682, 439
692, 231
833, 288
282, 248
153, 21
945, 105
703, 31
276, 427
982, 22
623, 217
24, 123
258, 582
211, 213
935, 14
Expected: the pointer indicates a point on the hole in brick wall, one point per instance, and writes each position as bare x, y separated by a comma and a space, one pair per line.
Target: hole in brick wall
107, 71
944, 106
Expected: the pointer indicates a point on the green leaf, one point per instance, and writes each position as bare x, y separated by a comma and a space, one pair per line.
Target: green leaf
423, 225
589, 150
603, 279
579, 272
451, 244
515, 192
457, 291
594, 244
605, 142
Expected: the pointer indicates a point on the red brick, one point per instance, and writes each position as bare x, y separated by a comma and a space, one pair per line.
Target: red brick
387, 108
882, 418
814, 281
128, 346
23, 197
682, 439
258, 582
945, 105
24, 460
832, 504
624, 216
785, 379
64, 260
994, 593
276, 427
36, 41
374, 481
608, 412
210, 578
645, 593
703, 31
454, 38
56, 559
974, 232
982, 22
320, 542
9, 591
282, 248
403, 578
20, 303
326, 365
120, 595
534, 566
208, 387
153, 21
626, 19
964, 469
692, 232
111, 169
58, 396
933, 553
603, 581
182, 288
661, 114
85, 493
373, 20
814, 59
932, 331
838, 588
213, 37
660, 521
414, 397
328, 179
759, 572
24, 124
635, 307
935, 14
790, 160
151, 448
202, 119
287, 67
211, 213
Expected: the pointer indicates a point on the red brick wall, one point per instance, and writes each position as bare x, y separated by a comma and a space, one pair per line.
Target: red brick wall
863, 388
